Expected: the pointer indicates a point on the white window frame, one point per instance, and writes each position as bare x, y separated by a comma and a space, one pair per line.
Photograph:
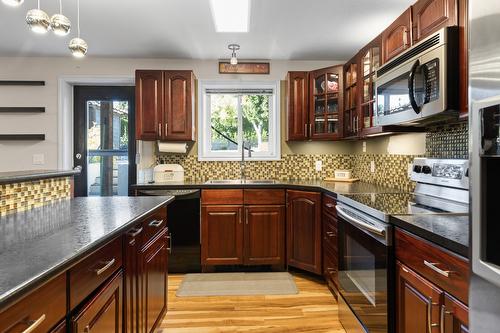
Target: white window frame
205, 130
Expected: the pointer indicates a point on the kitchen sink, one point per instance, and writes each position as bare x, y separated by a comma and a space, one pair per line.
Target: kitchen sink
241, 181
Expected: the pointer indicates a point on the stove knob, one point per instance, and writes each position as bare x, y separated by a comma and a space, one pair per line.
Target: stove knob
417, 168
426, 169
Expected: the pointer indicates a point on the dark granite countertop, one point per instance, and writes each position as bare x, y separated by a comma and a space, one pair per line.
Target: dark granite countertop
447, 230
40, 243
23, 176
332, 188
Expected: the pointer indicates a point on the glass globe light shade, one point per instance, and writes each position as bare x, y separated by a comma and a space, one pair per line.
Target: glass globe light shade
78, 47
38, 21
234, 61
60, 24
13, 3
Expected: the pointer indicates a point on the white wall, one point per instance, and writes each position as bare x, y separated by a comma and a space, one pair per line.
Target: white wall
19, 155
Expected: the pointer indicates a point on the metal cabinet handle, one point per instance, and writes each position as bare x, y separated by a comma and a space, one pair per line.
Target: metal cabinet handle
169, 248
166, 128
305, 130
429, 315
432, 265
159, 128
134, 232
156, 223
329, 205
34, 324
330, 233
105, 267
310, 129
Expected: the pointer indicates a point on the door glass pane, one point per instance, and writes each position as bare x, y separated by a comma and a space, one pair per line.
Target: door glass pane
366, 90
332, 105
319, 125
375, 58
332, 123
333, 82
255, 112
224, 122
366, 116
107, 147
319, 85
319, 105
366, 64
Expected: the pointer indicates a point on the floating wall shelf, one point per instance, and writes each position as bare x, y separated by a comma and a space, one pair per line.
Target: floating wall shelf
22, 109
22, 137
21, 83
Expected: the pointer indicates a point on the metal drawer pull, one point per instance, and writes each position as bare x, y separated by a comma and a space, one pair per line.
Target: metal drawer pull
330, 205
34, 324
169, 237
105, 267
135, 232
330, 233
156, 223
432, 265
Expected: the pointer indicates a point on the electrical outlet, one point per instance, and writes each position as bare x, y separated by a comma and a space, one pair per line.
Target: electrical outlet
410, 169
372, 166
364, 146
38, 159
319, 165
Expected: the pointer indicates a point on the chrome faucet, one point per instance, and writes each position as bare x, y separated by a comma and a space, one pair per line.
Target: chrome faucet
242, 163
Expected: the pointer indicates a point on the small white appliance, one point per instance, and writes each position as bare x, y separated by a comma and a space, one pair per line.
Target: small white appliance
168, 173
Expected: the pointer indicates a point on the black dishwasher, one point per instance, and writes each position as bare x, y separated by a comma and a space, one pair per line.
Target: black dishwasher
183, 218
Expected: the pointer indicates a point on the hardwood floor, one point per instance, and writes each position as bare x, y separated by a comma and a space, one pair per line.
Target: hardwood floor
312, 310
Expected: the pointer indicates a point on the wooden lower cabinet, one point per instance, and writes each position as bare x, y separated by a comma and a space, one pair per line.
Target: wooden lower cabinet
422, 307
153, 283
103, 312
304, 230
264, 242
330, 252
61, 328
221, 235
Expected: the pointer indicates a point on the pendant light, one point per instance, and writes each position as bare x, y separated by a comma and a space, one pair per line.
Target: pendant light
13, 3
59, 23
78, 46
38, 20
234, 48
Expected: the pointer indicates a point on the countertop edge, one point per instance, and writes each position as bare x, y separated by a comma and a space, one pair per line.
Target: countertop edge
42, 174
25, 288
446, 243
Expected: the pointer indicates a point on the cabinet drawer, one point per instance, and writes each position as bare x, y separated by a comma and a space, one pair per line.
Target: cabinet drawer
90, 273
222, 197
330, 235
449, 271
264, 197
329, 204
330, 265
41, 310
154, 224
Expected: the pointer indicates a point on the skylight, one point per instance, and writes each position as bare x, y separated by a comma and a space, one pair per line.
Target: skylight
231, 15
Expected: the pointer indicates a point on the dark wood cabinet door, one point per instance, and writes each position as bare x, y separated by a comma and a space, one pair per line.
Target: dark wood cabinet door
221, 235
397, 37
264, 235
304, 230
149, 104
102, 313
432, 15
418, 302
298, 106
179, 104
330, 251
455, 316
152, 281
132, 243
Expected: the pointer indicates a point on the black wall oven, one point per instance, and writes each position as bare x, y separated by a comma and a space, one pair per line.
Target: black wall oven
366, 267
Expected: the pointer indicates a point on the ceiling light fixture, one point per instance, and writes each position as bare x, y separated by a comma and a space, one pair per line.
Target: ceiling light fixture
59, 23
231, 15
38, 20
13, 3
78, 46
234, 48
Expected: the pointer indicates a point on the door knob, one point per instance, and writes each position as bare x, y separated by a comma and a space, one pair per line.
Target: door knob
78, 156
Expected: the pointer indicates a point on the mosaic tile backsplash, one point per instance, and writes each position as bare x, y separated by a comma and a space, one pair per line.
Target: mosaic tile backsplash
17, 197
448, 141
390, 170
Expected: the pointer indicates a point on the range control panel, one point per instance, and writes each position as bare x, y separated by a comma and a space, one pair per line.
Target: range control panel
445, 172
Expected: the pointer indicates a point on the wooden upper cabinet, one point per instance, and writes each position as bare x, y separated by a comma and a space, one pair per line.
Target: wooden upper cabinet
432, 15
304, 230
326, 103
179, 105
397, 37
418, 303
297, 106
149, 104
264, 235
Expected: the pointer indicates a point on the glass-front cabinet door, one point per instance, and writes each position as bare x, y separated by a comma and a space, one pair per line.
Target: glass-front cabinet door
351, 103
326, 99
370, 61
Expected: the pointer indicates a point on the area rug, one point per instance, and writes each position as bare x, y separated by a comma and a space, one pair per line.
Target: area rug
237, 284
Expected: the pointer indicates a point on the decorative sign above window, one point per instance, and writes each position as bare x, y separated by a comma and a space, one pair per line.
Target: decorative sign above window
225, 67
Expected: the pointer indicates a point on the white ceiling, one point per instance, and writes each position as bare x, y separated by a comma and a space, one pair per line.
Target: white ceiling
279, 29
